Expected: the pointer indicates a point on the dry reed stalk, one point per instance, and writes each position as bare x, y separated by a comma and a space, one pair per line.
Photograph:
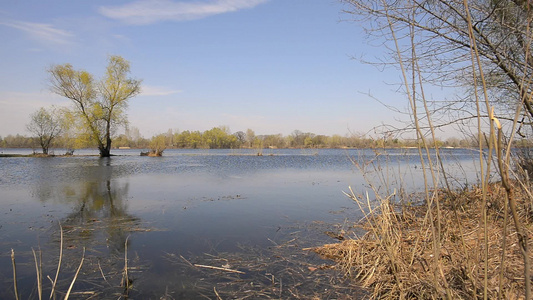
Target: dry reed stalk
380, 272
439, 281
216, 293
102, 273
188, 262
54, 283
521, 235
503, 163
15, 287
218, 268
125, 277
38, 272
75, 275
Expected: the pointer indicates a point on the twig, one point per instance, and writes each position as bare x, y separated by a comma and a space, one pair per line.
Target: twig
218, 268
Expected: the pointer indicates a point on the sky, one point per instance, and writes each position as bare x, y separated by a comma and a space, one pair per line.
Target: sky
273, 66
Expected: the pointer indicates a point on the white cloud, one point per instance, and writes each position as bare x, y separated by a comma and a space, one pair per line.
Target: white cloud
45, 33
147, 90
151, 11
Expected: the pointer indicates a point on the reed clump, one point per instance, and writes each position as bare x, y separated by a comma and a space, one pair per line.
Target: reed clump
394, 258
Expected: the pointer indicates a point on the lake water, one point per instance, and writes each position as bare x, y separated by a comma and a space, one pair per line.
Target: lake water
220, 208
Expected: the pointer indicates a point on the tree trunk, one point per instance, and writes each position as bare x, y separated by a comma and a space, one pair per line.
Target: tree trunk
43, 145
105, 151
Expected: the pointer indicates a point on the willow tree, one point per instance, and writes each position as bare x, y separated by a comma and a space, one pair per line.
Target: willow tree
100, 105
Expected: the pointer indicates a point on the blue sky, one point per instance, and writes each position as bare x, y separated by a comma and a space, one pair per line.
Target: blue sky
270, 65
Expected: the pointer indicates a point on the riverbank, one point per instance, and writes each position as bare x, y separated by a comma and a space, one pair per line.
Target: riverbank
396, 258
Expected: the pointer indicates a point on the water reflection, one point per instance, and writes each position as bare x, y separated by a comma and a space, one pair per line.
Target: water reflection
101, 207
97, 198
90, 199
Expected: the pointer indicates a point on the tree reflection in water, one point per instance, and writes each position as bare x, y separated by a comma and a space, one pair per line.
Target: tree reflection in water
100, 209
99, 222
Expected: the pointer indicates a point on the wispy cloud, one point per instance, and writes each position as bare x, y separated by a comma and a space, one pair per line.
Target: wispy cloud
45, 33
148, 90
151, 11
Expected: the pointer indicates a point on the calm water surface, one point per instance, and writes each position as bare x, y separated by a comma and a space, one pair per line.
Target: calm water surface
184, 205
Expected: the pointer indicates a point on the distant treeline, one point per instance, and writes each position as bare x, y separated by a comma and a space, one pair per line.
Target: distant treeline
222, 138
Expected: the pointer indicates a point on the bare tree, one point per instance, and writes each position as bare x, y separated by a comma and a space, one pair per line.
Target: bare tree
501, 29
250, 137
241, 137
46, 126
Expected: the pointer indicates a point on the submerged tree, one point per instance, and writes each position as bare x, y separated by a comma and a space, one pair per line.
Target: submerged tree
46, 126
158, 144
100, 105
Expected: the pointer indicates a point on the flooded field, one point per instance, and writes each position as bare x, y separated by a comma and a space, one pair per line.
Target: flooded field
193, 224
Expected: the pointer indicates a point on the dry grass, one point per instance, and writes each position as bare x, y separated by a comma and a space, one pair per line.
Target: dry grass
394, 259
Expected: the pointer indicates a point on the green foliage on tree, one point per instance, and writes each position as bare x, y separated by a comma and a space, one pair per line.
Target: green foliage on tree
158, 144
73, 138
219, 138
99, 106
